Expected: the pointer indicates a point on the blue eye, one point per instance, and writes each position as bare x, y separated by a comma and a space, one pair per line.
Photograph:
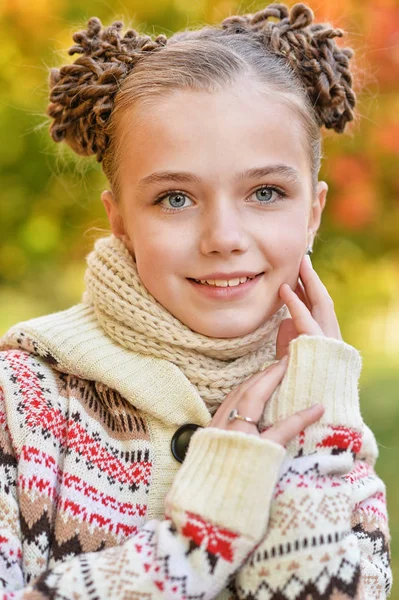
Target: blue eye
265, 194
174, 200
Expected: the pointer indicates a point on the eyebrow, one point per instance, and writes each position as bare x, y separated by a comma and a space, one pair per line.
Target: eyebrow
183, 177
284, 170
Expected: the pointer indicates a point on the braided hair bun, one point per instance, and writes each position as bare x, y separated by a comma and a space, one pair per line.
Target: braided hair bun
82, 94
321, 65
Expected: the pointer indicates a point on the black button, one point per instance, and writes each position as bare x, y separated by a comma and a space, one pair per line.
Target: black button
181, 439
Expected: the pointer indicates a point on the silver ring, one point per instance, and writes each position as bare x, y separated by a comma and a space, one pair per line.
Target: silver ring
235, 415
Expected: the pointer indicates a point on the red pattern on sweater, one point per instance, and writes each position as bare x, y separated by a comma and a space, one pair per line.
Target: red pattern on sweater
72, 482
217, 541
39, 414
343, 438
361, 470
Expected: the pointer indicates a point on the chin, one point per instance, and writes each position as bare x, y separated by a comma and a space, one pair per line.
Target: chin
233, 324
224, 330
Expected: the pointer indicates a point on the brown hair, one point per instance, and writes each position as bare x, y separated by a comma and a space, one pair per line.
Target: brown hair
291, 55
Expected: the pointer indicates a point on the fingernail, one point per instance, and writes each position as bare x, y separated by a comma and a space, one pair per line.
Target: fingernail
284, 360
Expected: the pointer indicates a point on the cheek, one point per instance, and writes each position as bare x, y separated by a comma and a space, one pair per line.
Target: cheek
158, 254
284, 242
151, 254
283, 246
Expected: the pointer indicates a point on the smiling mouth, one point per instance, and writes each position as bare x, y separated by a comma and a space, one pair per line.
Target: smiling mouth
224, 282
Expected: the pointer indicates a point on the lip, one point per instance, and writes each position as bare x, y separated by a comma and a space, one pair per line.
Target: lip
226, 276
226, 293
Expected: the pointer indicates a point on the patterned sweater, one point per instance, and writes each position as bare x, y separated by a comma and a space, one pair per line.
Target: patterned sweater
93, 504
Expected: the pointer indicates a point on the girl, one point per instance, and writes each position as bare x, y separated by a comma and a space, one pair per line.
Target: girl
192, 428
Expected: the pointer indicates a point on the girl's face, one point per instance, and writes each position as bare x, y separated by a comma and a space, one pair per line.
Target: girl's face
215, 189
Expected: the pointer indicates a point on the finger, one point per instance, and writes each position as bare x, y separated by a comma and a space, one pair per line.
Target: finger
252, 400
286, 333
301, 315
314, 287
286, 430
232, 399
322, 305
300, 292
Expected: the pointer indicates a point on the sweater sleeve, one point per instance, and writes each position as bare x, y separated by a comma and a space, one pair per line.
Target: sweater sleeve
215, 512
369, 521
328, 531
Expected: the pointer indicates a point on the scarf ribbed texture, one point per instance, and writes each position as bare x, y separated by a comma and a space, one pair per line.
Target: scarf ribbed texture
133, 318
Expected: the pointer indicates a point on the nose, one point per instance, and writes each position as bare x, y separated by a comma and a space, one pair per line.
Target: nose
222, 230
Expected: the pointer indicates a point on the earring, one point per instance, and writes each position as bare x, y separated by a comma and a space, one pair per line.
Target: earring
309, 250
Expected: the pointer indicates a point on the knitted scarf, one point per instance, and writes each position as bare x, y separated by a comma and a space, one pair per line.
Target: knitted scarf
133, 318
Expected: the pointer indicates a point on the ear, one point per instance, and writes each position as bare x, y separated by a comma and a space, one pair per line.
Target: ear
114, 214
317, 208
116, 220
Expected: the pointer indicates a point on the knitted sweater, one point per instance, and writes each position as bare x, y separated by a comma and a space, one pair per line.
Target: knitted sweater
93, 504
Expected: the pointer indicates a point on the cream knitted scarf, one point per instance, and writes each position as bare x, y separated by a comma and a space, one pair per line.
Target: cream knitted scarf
133, 318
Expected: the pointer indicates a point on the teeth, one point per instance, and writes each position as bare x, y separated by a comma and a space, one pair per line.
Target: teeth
234, 282
224, 282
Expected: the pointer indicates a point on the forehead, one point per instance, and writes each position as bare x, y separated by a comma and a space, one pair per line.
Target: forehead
212, 133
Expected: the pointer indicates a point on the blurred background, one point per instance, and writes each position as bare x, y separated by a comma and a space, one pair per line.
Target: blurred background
50, 211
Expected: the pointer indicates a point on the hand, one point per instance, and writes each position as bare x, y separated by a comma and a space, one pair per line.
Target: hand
311, 308
249, 399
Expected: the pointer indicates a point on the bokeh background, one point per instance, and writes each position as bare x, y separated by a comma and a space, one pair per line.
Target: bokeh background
50, 211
